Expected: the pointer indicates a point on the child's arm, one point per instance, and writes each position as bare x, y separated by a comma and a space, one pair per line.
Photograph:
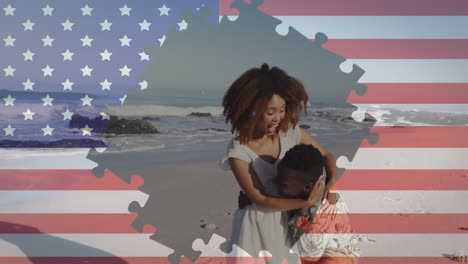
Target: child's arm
250, 184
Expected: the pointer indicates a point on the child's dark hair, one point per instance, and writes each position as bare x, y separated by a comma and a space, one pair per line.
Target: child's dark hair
305, 159
246, 99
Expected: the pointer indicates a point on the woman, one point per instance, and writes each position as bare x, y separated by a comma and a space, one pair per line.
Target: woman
263, 106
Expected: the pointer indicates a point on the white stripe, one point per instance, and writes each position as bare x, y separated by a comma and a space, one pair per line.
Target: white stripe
415, 114
376, 27
385, 245
409, 245
139, 245
365, 158
45, 158
74, 245
376, 202
439, 108
410, 70
12, 202
406, 159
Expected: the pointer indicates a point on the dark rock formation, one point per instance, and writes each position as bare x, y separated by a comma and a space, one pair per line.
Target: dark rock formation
125, 126
114, 126
198, 114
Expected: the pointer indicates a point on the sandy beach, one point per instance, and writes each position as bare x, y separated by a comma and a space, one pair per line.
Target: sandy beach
195, 199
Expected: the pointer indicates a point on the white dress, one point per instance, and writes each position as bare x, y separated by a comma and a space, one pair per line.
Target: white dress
256, 228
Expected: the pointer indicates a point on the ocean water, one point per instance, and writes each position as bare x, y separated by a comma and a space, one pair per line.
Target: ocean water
181, 132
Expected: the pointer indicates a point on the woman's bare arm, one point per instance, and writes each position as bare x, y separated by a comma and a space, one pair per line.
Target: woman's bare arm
250, 184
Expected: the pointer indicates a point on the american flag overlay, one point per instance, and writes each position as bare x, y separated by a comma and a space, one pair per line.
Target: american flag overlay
60, 60
417, 173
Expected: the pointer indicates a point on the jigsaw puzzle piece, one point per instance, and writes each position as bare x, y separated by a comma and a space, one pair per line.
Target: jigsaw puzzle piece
211, 252
317, 67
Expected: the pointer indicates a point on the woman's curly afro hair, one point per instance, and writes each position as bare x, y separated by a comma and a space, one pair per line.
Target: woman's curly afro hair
246, 99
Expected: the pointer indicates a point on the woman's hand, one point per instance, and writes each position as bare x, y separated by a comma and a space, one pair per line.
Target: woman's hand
316, 194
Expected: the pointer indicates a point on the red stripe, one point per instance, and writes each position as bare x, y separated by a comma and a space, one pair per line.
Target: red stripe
356, 8
124, 260
390, 260
412, 93
399, 48
398, 223
63, 180
419, 137
406, 260
120, 223
69, 223
217, 260
373, 180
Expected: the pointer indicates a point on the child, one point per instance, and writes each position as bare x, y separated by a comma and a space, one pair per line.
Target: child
322, 232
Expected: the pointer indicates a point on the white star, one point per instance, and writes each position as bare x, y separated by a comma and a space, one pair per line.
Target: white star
161, 40
48, 71
9, 11
67, 25
47, 10
143, 85
105, 55
105, 25
86, 71
9, 71
143, 56
164, 10
9, 41
28, 85
105, 85
198, 8
47, 100
125, 71
9, 101
86, 130
28, 55
125, 11
67, 115
104, 116
182, 25
47, 130
28, 25
67, 55
125, 41
67, 85
86, 41
48, 41
28, 115
86, 10
86, 100
9, 131
144, 25
122, 99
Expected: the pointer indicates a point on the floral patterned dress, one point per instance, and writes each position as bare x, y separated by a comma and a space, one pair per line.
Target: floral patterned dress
324, 231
